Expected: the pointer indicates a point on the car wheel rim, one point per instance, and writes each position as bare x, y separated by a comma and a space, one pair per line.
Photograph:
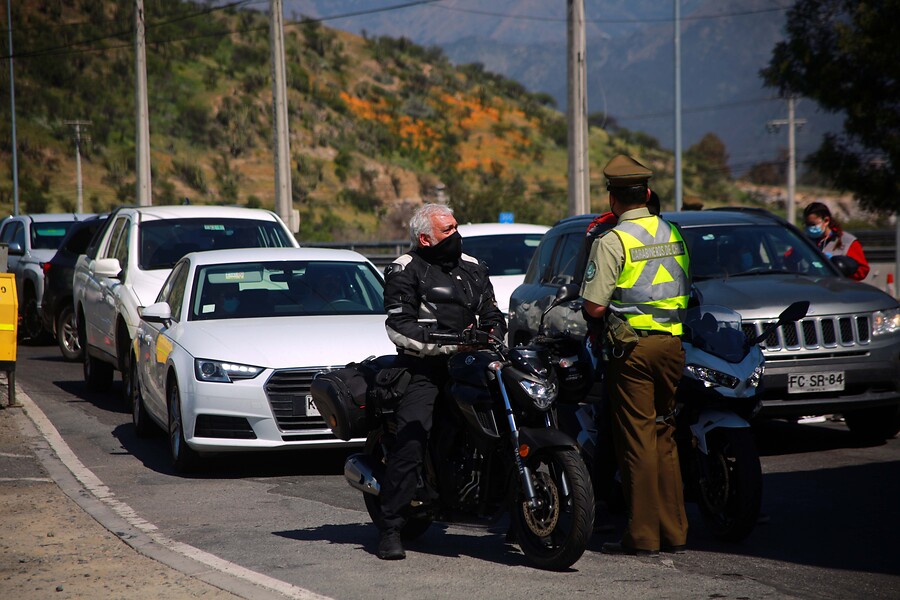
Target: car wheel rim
69, 334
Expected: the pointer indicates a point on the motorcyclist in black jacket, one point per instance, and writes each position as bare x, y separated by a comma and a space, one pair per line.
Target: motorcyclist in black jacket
435, 260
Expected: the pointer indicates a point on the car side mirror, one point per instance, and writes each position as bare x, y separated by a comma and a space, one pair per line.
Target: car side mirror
15, 249
846, 265
107, 267
159, 312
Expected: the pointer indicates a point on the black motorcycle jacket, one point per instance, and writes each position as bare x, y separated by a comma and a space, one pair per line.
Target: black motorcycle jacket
411, 318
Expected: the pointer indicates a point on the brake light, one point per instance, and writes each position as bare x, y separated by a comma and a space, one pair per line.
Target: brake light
45, 267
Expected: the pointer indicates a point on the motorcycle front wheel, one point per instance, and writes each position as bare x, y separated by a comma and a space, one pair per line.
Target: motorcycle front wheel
415, 526
554, 534
730, 483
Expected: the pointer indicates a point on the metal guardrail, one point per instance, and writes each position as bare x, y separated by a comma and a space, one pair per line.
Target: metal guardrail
878, 244
380, 253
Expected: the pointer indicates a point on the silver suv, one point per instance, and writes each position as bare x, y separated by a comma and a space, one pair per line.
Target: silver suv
31, 241
844, 357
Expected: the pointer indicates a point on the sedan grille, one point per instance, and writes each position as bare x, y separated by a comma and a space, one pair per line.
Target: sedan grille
285, 387
813, 333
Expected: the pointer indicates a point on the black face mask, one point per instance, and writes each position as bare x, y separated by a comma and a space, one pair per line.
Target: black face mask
446, 253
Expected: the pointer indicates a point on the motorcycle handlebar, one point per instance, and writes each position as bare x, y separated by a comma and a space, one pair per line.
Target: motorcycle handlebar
469, 337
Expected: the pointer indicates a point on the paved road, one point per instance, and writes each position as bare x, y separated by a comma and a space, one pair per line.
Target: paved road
290, 516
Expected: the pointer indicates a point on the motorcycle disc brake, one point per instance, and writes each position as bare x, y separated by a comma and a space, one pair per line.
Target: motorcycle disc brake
542, 520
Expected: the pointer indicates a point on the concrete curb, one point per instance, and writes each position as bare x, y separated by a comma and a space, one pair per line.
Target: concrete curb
85, 489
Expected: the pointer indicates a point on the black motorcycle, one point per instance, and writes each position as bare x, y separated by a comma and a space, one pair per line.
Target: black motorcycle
494, 447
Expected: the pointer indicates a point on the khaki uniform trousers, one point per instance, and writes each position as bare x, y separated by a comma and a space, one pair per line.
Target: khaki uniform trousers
641, 386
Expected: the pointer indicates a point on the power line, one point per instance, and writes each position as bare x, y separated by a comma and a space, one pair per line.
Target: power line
59, 50
612, 21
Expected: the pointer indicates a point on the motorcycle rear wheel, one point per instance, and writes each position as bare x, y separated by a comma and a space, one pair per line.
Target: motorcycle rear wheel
555, 535
415, 526
730, 484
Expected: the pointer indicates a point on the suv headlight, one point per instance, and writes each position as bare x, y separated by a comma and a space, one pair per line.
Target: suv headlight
885, 321
223, 372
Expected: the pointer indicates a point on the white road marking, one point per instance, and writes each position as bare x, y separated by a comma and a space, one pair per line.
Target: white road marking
40, 479
96, 487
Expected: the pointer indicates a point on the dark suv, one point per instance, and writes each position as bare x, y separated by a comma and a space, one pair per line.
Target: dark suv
844, 357
57, 308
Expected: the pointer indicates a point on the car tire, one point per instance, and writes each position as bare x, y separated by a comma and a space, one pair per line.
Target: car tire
67, 334
184, 458
127, 379
139, 417
878, 423
98, 375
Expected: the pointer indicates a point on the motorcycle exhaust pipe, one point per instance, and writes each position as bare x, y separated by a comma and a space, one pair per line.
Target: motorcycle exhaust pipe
360, 474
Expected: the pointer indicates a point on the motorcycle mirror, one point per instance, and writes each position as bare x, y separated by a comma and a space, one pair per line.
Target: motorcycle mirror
565, 293
794, 312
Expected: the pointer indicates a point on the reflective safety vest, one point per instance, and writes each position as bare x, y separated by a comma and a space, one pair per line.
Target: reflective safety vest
652, 289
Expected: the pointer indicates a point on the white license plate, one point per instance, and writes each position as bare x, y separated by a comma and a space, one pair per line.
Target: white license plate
822, 381
311, 410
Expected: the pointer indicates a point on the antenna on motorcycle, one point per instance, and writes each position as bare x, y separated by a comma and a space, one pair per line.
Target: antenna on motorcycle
794, 312
565, 293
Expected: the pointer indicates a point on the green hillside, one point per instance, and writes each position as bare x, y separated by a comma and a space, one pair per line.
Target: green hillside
376, 125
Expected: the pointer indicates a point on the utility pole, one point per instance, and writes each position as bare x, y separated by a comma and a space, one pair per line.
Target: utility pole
142, 118
793, 124
283, 200
679, 192
79, 206
12, 105
576, 111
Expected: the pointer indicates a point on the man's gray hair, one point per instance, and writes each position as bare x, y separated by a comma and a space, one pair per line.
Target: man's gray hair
420, 222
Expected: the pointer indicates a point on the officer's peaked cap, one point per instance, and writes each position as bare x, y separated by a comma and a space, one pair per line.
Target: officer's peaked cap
622, 170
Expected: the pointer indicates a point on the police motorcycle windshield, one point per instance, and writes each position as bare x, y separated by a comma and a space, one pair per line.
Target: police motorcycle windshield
717, 330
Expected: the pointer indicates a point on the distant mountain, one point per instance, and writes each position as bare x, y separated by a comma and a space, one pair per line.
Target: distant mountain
630, 60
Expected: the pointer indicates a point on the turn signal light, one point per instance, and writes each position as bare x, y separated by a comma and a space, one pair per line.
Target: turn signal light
524, 450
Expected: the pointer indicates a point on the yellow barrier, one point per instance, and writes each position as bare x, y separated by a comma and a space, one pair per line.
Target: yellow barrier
9, 326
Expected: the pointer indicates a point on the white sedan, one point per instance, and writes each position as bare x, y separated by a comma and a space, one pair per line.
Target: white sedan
507, 249
224, 359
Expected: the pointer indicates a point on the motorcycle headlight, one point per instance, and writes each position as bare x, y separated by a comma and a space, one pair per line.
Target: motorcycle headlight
885, 321
542, 395
711, 377
223, 372
756, 376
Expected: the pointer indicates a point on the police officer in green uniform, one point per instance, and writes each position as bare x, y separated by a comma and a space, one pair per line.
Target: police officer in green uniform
636, 287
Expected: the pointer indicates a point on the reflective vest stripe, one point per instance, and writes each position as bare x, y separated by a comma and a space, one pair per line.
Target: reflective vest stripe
652, 289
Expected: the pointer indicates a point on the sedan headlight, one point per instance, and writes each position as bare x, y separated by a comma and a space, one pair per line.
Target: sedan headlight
223, 372
885, 321
711, 377
542, 395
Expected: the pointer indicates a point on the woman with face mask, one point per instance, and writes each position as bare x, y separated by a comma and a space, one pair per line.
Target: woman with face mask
827, 233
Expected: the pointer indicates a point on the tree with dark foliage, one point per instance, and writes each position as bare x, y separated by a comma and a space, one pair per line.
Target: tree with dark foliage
844, 55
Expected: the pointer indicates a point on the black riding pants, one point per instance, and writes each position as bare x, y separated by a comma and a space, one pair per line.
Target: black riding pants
414, 420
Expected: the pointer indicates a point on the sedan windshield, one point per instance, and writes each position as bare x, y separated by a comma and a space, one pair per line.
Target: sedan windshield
162, 243
285, 289
504, 254
731, 251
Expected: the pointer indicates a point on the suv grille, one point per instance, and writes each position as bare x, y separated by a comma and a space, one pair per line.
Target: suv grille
282, 388
813, 333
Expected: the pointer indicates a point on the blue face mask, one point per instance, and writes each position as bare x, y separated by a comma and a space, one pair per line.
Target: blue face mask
814, 231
